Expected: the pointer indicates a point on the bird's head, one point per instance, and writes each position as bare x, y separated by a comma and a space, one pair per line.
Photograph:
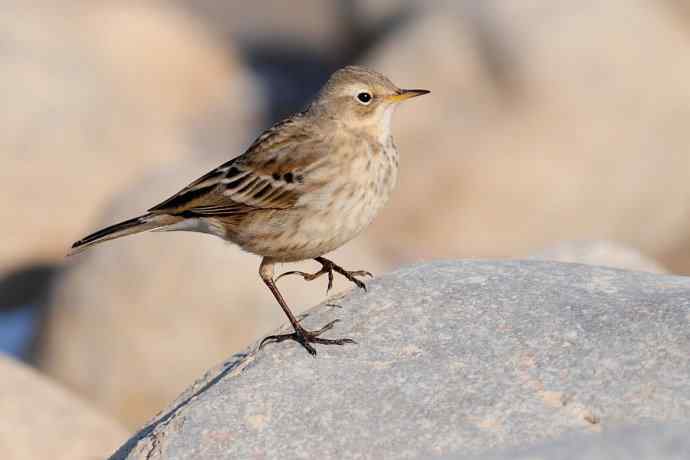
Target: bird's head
360, 97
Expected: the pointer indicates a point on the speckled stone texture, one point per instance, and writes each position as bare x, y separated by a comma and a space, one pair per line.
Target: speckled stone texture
454, 356
649, 442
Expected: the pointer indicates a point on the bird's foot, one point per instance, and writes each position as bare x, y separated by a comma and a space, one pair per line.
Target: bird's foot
327, 268
352, 276
305, 338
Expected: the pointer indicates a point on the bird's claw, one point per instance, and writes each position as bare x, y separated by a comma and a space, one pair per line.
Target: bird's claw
352, 276
327, 268
305, 338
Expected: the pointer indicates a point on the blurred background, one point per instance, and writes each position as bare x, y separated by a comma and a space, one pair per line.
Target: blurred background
555, 129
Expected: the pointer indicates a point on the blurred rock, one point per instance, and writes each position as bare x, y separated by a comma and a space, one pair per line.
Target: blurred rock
170, 64
316, 25
604, 253
649, 442
134, 320
97, 93
41, 420
548, 122
450, 357
372, 12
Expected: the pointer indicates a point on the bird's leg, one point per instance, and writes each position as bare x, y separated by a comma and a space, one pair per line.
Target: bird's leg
327, 268
301, 335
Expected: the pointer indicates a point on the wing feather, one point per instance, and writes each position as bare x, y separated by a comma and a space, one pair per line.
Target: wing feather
267, 176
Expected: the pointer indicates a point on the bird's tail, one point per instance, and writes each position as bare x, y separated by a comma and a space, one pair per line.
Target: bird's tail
128, 227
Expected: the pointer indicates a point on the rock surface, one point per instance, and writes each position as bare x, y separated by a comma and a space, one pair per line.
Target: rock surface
451, 357
42, 420
650, 442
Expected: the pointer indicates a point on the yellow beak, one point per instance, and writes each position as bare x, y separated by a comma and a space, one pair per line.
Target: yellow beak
405, 94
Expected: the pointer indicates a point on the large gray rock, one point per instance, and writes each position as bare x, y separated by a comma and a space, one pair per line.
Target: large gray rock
650, 442
451, 357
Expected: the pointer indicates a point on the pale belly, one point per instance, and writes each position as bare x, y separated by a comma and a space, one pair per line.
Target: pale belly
323, 222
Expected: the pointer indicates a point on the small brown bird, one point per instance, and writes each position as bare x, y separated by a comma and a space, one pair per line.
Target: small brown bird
305, 187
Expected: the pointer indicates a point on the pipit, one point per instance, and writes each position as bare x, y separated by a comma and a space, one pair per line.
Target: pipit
305, 187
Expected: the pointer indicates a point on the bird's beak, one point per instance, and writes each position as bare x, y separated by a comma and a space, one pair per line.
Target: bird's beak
405, 94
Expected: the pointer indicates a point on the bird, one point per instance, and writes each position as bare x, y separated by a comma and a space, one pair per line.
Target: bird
305, 186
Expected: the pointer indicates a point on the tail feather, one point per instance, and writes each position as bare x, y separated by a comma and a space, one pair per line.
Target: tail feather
128, 227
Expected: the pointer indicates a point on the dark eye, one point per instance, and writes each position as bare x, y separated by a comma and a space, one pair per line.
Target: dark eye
364, 98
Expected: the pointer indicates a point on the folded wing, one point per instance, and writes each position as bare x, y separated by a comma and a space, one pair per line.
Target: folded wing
270, 175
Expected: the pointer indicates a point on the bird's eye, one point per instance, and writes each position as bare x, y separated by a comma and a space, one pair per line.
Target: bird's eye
364, 98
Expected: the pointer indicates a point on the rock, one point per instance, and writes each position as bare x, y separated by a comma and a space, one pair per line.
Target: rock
42, 420
100, 93
372, 12
651, 442
605, 253
170, 63
456, 356
152, 311
542, 126
314, 24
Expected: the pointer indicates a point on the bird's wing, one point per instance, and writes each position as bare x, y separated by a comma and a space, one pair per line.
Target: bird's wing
269, 175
